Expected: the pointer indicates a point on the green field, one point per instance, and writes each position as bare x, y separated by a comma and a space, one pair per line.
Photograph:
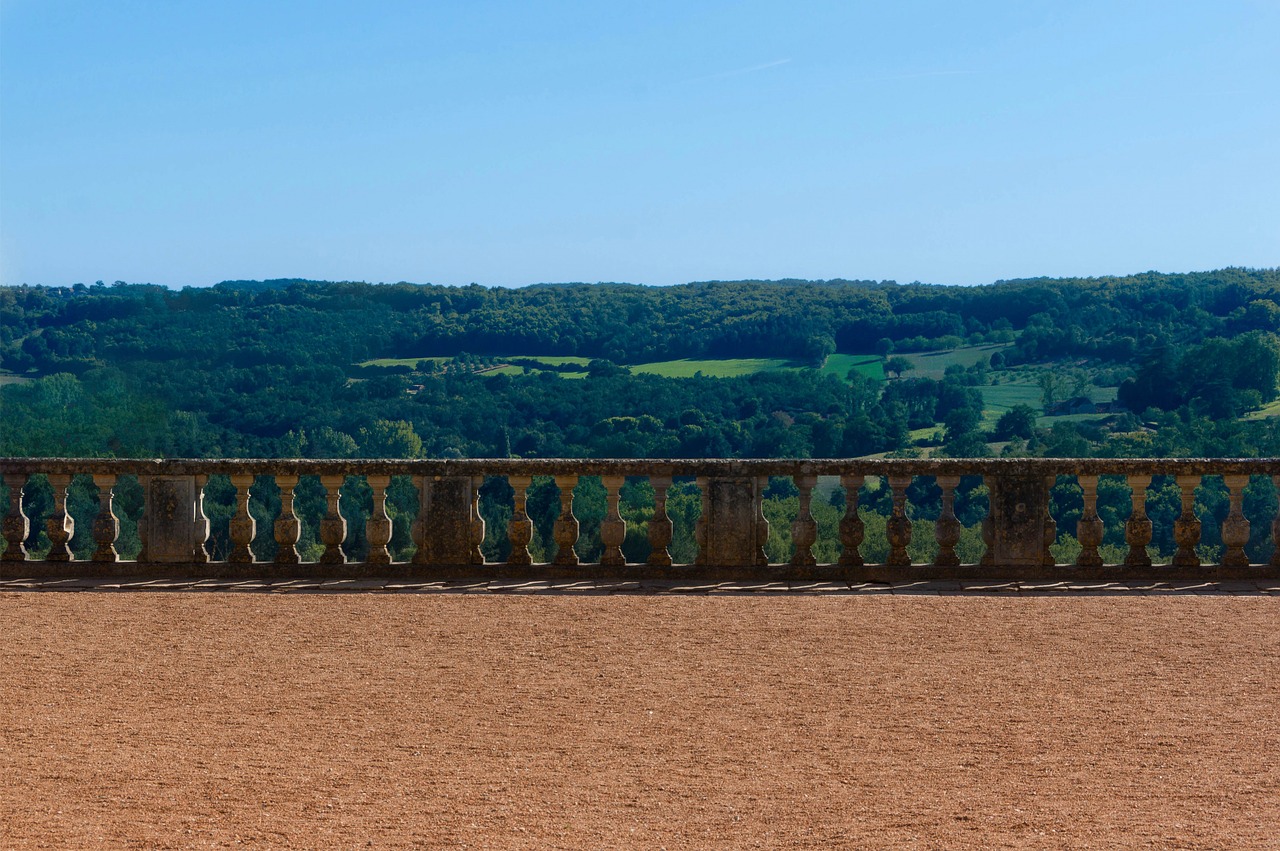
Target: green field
717, 368
872, 366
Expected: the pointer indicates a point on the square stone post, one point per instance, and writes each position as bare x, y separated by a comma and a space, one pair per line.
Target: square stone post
1019, 523
731, 522
447, 505
173, 527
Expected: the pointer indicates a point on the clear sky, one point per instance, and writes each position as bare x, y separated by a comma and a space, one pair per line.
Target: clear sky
509, 143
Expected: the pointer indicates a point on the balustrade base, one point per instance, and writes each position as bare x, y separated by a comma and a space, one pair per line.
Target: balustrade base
54, 570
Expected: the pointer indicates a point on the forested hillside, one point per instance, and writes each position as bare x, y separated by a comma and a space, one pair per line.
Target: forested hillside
1142, 365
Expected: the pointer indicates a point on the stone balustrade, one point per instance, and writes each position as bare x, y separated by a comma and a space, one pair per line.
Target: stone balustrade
731, 529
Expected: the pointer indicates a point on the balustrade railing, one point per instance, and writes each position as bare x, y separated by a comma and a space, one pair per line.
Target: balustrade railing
448, 533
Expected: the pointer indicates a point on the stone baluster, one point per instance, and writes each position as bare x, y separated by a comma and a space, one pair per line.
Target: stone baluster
243, 526
520, 529
947, 530
703, 523
16, 524
1137, 531
1275, 527
60, 526
565, 529
287, 529
1050, 531
804, 529
1089, 528
477, 521
333, 528
761, 522
898, 527
418, 529
1186, 529
613, 529
106, 528
377, 528
1235, 528
200, 522
852, 529
661, 529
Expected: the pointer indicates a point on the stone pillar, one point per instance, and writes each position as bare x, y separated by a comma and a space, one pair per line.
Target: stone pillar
661, 529
1137, 531
947, 530
16, 524
804, 529
613, 529
1235, 529
1186, 529
106, 528
477, 522
565, 530
444, 530
520, 529
1015, 529
243, 527
898, 526
1089, 528
731, 522
173, 527
333, 527
852, 528
378, 526
60, 526
288, 529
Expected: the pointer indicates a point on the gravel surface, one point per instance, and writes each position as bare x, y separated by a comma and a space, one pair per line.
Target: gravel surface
183, 719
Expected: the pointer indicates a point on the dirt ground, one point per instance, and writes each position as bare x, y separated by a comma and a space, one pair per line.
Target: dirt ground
184, 720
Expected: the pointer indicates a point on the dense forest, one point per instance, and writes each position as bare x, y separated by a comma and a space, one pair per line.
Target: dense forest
289, 368
1145, 365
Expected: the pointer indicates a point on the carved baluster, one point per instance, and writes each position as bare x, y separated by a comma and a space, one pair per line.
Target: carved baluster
201, 534
477, 521
804, 529
1275, 527
898, 528
59, 526
703, 523
1235, 528
947, 530
761, 522
661, 529
1137, 531
378, 527
1089, 528
106, 528
288, 529
566, 525
333, 528
988, 528
16, 524
418, 529
852, 529
1050, 525
520, 529
243, 526
613, 529
1186, 529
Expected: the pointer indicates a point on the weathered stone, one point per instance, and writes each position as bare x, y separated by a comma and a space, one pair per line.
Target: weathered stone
173, 525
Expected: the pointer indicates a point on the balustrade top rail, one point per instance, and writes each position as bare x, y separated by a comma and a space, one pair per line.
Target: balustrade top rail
645, 467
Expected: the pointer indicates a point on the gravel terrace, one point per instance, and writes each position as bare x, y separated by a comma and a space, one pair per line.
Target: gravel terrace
491, 720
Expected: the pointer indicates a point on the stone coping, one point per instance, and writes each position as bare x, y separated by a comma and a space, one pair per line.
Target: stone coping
482, 585
647, 467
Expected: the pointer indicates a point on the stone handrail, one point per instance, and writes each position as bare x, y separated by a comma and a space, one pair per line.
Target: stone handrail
730, 532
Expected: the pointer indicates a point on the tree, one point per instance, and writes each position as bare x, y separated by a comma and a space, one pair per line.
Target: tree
1019, 421
895, 366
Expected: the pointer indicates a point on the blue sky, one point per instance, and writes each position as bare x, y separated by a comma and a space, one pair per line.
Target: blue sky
508, 143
